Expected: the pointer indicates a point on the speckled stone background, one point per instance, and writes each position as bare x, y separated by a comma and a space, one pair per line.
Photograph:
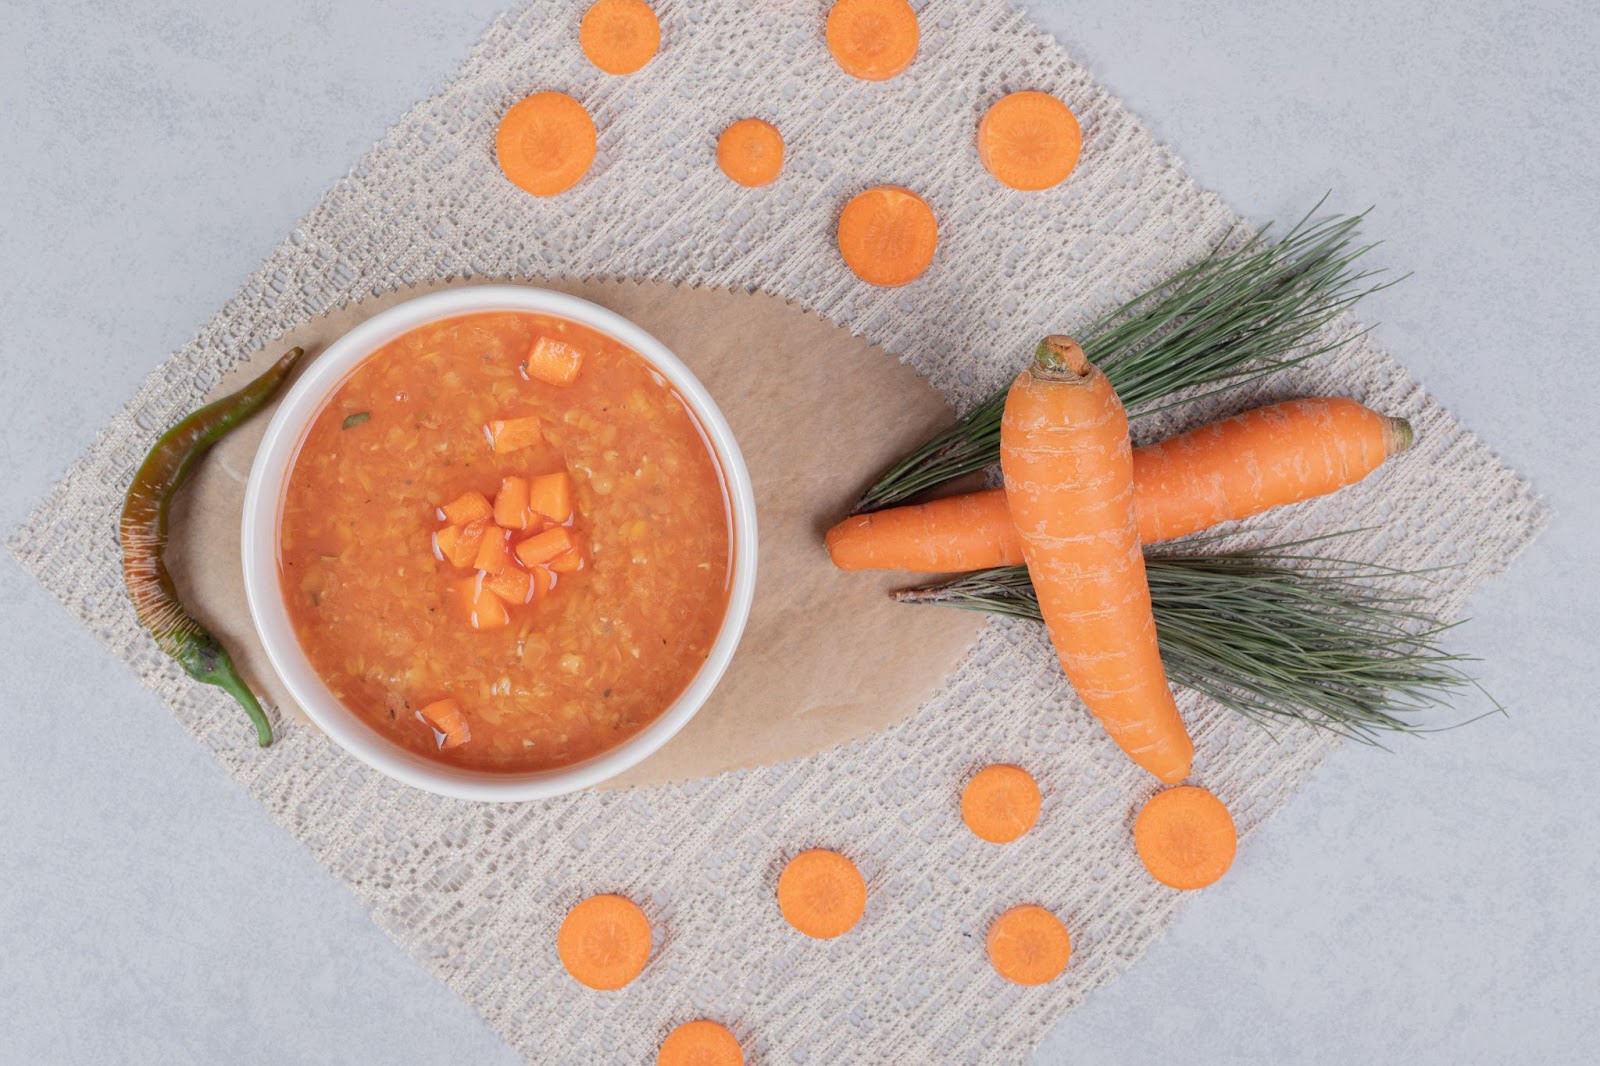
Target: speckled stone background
1429, 906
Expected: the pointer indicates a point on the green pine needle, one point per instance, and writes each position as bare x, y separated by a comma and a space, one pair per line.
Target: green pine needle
1232, 317
1273, 635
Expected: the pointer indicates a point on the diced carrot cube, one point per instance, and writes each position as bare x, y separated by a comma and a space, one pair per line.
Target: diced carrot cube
494, 554
482, 608
489, 612
569, 562
509, 434
466, 544
543, 581
468, 507
446, 719
511, 504
541, 548
550, 495
512, 585
445, 541
554, 362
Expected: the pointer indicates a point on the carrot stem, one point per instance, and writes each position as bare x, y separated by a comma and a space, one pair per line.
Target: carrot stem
1062, 355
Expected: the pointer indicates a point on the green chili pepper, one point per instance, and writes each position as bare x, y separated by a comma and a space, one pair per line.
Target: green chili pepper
143, 531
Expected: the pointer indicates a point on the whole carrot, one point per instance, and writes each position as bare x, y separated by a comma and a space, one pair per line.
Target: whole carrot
1069, 484
143, 533
1241, 466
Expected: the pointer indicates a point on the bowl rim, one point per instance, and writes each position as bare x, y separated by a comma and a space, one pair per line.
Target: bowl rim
274, 459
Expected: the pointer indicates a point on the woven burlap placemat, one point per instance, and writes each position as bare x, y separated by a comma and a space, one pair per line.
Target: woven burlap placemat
475, 892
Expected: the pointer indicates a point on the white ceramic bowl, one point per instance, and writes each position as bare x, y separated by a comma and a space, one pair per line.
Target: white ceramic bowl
263, 504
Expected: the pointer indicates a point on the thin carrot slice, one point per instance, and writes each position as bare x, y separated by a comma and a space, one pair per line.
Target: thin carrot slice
510, 434
553, 363
543, 548
546, 143
511, 504
872, 39
464, 546
888, 235
494, 554
700, 1043
468, 507
446, 719
550, 495
620, 36
481, 608
511, 585
751, 152
1186, 837
1000, 803
1029, 141
604, 941
821, 893
1028, 945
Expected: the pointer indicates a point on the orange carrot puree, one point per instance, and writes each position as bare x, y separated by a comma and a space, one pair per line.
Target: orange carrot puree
401, 545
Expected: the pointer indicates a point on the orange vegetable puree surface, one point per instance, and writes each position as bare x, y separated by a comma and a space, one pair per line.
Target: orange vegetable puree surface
586, 664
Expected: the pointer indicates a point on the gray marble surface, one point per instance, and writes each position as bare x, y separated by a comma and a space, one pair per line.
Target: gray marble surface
1430, 905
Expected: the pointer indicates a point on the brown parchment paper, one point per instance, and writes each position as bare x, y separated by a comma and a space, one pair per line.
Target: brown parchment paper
826, 657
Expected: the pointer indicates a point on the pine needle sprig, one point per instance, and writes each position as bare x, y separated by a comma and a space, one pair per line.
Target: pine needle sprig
1273, 635
1232, 317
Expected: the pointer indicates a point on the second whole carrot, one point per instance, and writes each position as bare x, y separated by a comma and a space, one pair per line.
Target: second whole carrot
1224, 471
1068, 471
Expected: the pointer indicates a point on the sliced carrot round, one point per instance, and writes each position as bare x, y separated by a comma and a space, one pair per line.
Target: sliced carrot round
604, 941
1028, 945
700, 1043
888, 235
751, 152
821, 893
1029, 140
1186, 837
546, 143
1000, 803
620, 36
872, 39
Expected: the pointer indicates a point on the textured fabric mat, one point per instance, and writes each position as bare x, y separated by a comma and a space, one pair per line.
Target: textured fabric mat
475, 892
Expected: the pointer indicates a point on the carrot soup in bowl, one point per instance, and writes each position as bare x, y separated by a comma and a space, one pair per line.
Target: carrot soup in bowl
499, 543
